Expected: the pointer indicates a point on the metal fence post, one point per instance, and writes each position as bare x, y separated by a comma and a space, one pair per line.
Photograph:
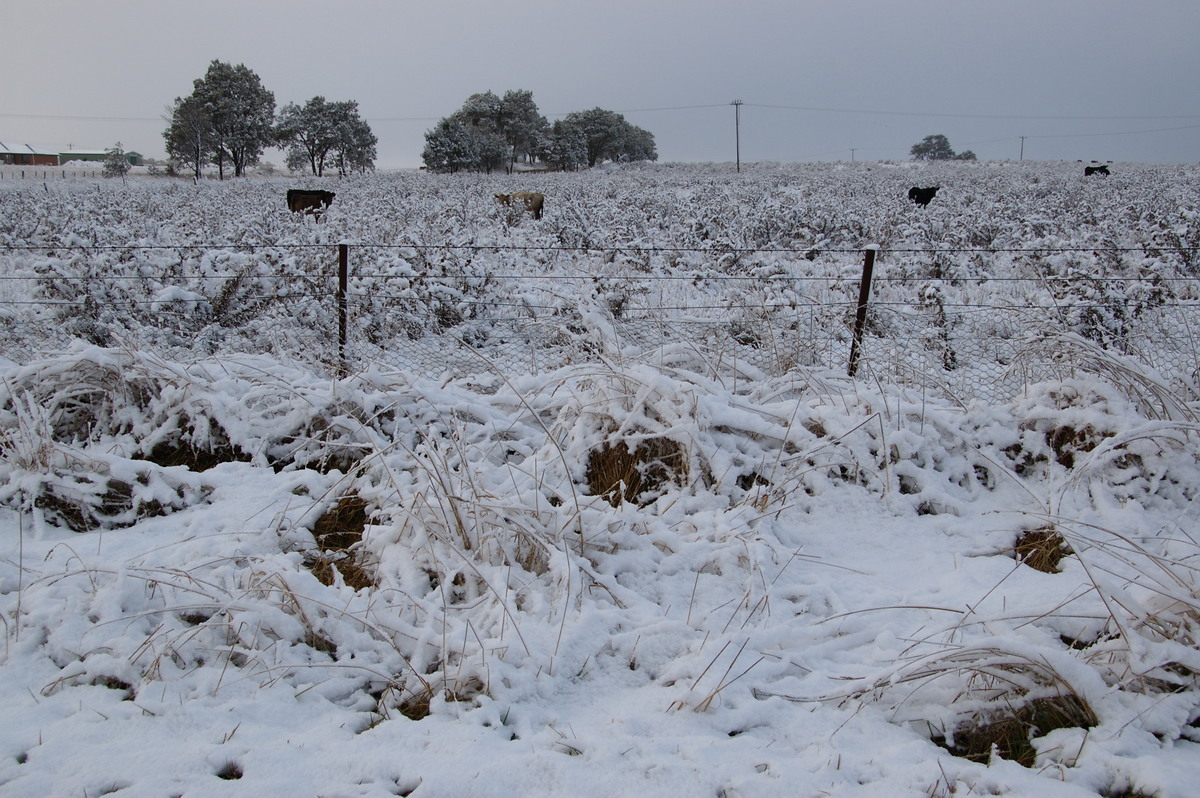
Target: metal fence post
860, 318
343, 307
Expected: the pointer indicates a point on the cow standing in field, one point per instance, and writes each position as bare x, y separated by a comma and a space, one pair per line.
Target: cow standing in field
300, 200
532, 200
922, 196
1096, 170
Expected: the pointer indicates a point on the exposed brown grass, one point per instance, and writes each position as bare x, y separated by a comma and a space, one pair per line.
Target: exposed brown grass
339, 533
86, 502
636, 475
1009, 732
180, 449
1042, 549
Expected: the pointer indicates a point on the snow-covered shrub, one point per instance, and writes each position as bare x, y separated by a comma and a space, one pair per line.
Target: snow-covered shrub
771, 259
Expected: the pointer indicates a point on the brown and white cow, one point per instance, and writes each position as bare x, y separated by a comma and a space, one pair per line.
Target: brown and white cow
532, 200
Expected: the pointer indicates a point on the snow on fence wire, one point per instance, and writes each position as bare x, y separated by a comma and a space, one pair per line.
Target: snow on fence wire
307, 304
29, 172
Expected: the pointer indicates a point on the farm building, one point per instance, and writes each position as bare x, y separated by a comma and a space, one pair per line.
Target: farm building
25, 155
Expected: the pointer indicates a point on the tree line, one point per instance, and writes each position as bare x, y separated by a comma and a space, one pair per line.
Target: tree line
229, 119
490, 132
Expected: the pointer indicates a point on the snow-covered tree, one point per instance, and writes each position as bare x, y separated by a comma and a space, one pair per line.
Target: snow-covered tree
932, 148
320, 133
189, 136
306, 132
611, 138
240, 114
937, 148
354, 142
465, 142
524, 127
483, 111
565, 147
514, 124
502, 130
116, 162
639, 145
449, 147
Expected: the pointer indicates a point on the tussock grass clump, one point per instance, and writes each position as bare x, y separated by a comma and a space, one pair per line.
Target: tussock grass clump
1067, 441
1042, 549
230, 771
81, 493
339, 534
416, 706
84, 502
636, 474
994, 698
197, 445
1008, 732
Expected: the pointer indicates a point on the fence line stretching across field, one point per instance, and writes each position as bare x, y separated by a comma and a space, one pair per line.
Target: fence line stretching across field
963, 348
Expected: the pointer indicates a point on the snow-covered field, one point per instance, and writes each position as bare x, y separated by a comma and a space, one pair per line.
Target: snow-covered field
225, 570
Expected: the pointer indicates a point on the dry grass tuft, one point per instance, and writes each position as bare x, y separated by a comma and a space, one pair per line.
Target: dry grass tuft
636, 476
181, 449
339, 533
1009, 732
1067, 441
1042, 549
416, 706
230, 771
85, 502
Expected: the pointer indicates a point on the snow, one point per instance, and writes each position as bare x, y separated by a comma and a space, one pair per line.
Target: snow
820, 587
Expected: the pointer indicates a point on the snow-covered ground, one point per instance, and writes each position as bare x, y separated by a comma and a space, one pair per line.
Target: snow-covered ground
236, 574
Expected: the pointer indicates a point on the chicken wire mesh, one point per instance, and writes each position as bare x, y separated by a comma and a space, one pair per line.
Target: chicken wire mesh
985, 352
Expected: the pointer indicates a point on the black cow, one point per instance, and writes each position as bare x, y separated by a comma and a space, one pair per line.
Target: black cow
922, 196
301, 200
1096, 170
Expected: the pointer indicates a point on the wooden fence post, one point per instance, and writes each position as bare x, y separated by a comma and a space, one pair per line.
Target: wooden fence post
860, 318
343, 308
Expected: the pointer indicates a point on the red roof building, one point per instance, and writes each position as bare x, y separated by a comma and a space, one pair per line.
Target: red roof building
24, 155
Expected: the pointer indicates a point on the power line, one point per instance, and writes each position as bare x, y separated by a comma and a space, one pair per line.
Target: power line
553, 115
66, 117
95, 118
665, 108
964, 116
83, 118
1117, 133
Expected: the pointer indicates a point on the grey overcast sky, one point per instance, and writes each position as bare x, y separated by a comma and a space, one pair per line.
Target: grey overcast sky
820, 80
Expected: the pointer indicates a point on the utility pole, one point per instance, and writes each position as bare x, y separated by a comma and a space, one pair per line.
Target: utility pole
1022, 148
737, 130
852, 149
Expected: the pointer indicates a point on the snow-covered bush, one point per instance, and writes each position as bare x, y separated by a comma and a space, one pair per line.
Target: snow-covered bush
771, 257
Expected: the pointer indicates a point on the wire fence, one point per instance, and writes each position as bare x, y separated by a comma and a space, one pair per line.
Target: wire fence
40, 172
319, 306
